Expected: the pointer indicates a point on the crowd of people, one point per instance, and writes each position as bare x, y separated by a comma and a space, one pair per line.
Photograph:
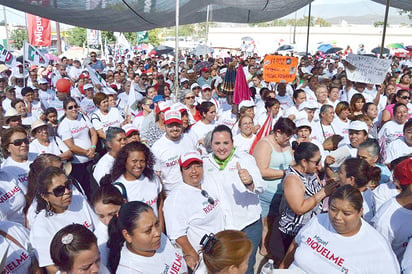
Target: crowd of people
150, 177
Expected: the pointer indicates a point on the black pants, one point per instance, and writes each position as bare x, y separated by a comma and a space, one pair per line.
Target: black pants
80, 172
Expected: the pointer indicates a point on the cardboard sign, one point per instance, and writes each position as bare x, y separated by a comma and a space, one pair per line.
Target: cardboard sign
367, 69
279, 69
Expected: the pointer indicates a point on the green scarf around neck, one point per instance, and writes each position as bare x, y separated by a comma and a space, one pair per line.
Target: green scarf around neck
223, 163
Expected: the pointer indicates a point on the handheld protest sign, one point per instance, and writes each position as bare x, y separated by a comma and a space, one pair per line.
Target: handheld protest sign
279, 69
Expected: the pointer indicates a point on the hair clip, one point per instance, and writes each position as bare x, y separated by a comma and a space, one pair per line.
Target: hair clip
207, 242
67, 239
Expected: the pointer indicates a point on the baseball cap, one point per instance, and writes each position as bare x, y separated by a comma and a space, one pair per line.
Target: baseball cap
88, 86
205, 69
83, 75
246, 104
223, 70
403, 172
194, 85
303, 123
184, 80
308, 105
162, 107
189, 157
173, 116
358, 125
129, 129
42, 81
205, 87
9, 88
156, 99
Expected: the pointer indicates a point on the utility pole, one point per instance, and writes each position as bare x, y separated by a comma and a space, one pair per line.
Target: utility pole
5, 25
59, 39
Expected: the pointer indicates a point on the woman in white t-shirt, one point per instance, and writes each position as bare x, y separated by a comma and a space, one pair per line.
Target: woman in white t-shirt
74, 250
146, 110
272, 108
325, 244
244, 140
137, 244
12, 201
56, 208
205, 125
358, 173
15, 248
78, 134
133, 175
43, 143
15, 148
341, 122
106, 202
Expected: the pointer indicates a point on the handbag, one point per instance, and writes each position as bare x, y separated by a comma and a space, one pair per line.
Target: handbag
34, 266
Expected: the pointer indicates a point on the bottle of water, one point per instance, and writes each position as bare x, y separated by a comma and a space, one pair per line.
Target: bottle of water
268, 267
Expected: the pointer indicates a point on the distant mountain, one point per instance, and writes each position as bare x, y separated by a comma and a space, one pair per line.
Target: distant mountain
360, 12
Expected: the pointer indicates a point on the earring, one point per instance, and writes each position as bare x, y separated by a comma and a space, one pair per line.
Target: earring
48, 205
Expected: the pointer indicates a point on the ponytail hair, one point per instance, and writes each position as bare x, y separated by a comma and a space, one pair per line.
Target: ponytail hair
361, 171
127, 219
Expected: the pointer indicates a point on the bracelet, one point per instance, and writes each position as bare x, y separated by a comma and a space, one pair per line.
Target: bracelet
93, 146
248, 185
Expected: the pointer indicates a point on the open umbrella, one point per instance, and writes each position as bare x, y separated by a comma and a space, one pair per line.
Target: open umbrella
333, 50
395, 46
51, 57
324, 47
377, 50
202, 50
247, 39
408, 48
160, 50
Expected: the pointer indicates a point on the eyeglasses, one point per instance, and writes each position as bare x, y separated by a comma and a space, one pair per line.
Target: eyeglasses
73, 107
92, 55
405, 97
210, 200
190, 97
315, 162
19, 142
60, 190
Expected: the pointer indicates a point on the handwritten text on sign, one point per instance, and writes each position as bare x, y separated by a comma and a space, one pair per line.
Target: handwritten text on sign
279, 69
367, 69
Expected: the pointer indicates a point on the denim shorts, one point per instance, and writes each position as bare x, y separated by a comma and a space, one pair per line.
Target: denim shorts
270, 203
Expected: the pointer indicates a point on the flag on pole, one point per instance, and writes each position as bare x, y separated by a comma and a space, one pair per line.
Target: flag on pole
39, 30
93, 36
7, 57
241, 91
133, 99
33, 56
97, 79
142, 36
263, 132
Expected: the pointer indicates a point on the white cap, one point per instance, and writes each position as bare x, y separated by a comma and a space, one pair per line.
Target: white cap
359, 125
303, 123
173, 116
184, 80
246, 104
189, 157
129, 128
194, 85
205, 87
42, 81
87, 86
223, 70
190, 71
308, 105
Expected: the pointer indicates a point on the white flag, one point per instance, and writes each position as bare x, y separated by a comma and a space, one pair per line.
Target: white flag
97, 79
33, 56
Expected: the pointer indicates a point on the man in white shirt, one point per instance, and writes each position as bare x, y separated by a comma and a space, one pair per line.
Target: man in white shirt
46, 95
238, 183
168, 149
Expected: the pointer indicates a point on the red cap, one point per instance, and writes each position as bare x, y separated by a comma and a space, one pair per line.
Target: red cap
403, 172
186, 159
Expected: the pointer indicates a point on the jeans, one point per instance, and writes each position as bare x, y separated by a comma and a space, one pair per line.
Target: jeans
254, 233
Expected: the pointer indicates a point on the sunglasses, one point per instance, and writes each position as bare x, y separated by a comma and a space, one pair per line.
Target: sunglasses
19, 142
405, 97
60, 190
190, 97
73, 107
316, 162
92, 55
210, 200
2, 80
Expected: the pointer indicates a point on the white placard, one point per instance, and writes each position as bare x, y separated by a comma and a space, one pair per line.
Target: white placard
367, 69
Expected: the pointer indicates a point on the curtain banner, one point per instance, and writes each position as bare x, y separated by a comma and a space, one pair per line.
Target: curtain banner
39, 31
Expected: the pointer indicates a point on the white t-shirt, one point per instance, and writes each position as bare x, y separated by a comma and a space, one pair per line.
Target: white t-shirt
112, 119
44, 228
368, 205
78, 130
103, 167
322, 132
142, 190
102, 235
36, 110
394, 222
166, 260
229, 119
46, 97
389, 132
242, 143
17, 171
188, 213
18, 260
322, 250
383, 193
396, 149
58, 105
56, 147
167, 154
12, 201
407, 259
88, 106
200, 129
341, 128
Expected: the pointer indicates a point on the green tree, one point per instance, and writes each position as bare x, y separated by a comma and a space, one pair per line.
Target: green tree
407, 12
154, 38
322, 22
131, 37
19, 36
109, 36
379, 24
76, 36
